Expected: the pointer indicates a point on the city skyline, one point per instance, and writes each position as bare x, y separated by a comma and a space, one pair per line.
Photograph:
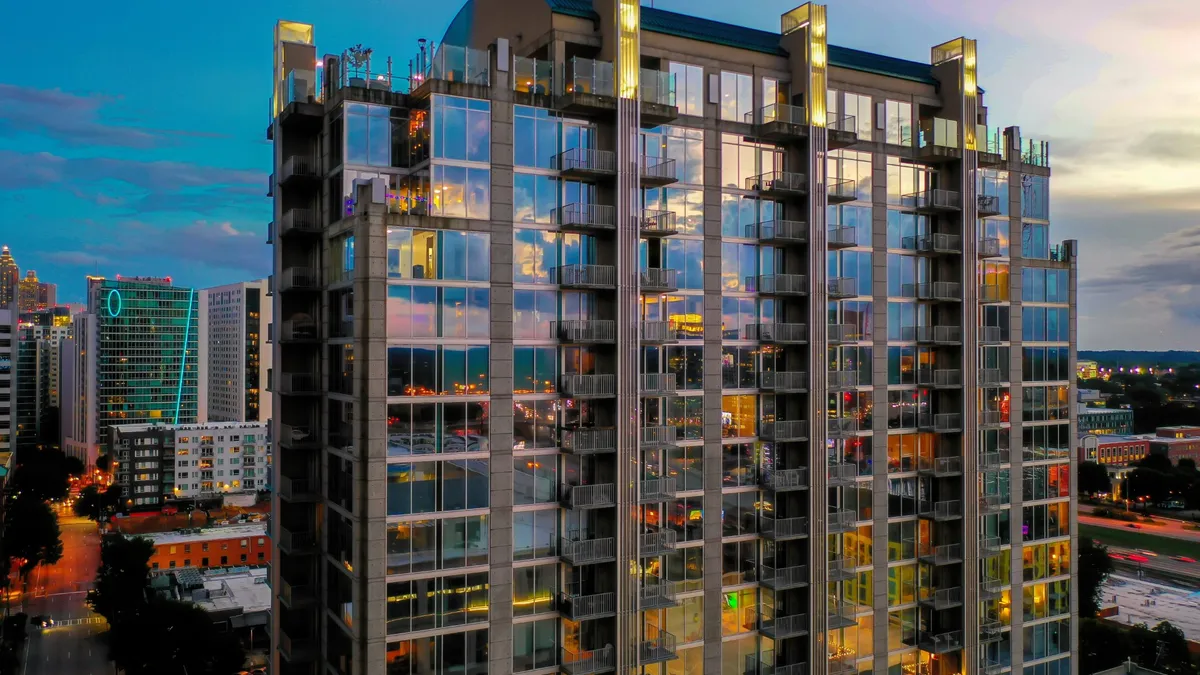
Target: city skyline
154, 179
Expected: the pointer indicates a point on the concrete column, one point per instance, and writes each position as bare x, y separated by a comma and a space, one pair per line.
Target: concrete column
712, 402
879, 437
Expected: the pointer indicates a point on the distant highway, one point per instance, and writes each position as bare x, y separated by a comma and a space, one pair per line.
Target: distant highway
1163, 527
1161, 565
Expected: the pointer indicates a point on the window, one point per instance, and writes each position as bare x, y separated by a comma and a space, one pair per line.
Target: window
739, 368
535, 370
429, 487
432, 428
537, 252
462, 129
368, 135
899, 126
423, 604
535, 479
849, 165
462, 192
534, 589
741, 160
739, 416
535, 645
736, 314
686, 256
536, 133
535, 198
736, 96
535, 534
682, 144
688, 206
431, 370
689, 88
441, 254
741, 216
739, 267
427, 311
1035, 197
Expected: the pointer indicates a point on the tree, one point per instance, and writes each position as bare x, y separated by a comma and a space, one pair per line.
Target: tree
1093, 478
103, 462
1165, 648
74, 466
1154, 485
122, 577
31, 534
96, 505
1103, 645
1156, 462
43, 475
1094, 568
169, 637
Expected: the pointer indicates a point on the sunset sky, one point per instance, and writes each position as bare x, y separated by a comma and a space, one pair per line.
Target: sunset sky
132, 134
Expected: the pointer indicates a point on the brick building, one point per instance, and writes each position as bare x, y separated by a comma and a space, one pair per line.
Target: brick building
211, 547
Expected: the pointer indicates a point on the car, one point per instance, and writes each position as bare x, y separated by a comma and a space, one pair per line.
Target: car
1150, 553
1184, 558
41, 621
1134, 526
1116, 556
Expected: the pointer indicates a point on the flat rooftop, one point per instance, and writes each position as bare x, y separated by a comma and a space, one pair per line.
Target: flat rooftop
215, 426
1083, 409
247, 530
1123, 438
236, 588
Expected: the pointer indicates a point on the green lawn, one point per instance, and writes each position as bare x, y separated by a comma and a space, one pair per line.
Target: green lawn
1129, 538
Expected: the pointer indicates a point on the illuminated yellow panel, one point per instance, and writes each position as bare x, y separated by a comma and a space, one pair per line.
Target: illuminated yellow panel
969, 89
286, 31
818, 50
629, 49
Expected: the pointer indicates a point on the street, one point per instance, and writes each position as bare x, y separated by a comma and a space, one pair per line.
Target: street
1161, 526
60, 592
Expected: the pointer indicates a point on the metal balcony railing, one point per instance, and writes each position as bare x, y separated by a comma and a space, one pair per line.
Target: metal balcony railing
590, 662
990, 667
584, 276
657, 223
945, 554
841, 614
940, 466
843, 287
991, 587
656, 490
657, 649
940, 378
584, 331
579, 551
296, 541
777, 333
933, 200
294, 597
779, 284
841, 237
783, 382
842, 379
991, 419
783, 578
780, 529
993, 460
989, 335
989, 377
990, 546
657, 87
942, 423
295, 330
658, 171
299, 220
587, 217
302, 649
842, 521
657, 594
991, 503
779, 232
949, 291
297, 489
781, 627
990, 631
841, 191
990, 294
298, 166
587, 386
658, 437
842, 427
783, 431
947, 509
298, 279
942, 643
652, 544
842, 475
298, 437
585, 161
578, 606
841, 333
989, 248
842, 665
656, 332
939, 335
658, 280
987, 205
940, 243
941, 598
589, 441
779, 113
842, 569
785, 480
658, 384
599, 495
778, 182
298, 383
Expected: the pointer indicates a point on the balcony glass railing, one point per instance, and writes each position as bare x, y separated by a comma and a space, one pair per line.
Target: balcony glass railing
989, 140
657, 87
458, 64
779, 112
588, 76
533, 76
1036, 153
936, 131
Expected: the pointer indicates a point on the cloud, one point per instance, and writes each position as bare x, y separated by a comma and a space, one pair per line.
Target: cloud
74, 119
213, 245
75, 258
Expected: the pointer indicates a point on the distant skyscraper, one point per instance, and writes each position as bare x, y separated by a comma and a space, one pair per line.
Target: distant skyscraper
34, 295
38, 381
8, 349
133, 360
233, 362
9, 275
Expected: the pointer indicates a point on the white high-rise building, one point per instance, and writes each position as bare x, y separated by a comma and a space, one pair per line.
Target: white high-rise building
233, 363
77, 414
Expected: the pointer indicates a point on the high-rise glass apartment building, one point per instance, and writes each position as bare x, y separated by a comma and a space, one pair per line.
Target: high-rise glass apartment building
235, 320
609, 297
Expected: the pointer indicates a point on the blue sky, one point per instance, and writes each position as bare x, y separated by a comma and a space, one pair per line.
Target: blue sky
132, 134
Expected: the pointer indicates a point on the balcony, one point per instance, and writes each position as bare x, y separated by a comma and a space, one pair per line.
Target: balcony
785, 431
658, 384
783, 529
842, 427
298, 279
937, 140
940, 243
990, 667
990, 294
946, 554
587, 218
841, 191
589, 441
657, 649
297, 168
660, 437
991, 419
780, 123
942, 423
989, 335
578, 607
585, 163
298, 384
581, 497
991, 587
586, 331
783, 578
991, 504
942, 511
942, 598
296, 597
767, 666
778, 333
842, 569
656, 89
989, 248
299, 542
655, 280
656, 332
779, 184
779, 232
655, 594
940, 467
841, 614
842, 521
841, 237
782, 627
784, 382
938, 291
932, 201
302, 650
842, 287
786, 480
589, 662
994, 460
588, 87
299, 221
843, 665
842, 474
652, 490
295, 437
298, 331
656, 223
842, 380
587, 386
298, 490
578, 551
943, 643
841, 131
651, 544
779, 284
991, 377
657, 171
939, 335
584, 276
987, 205
450, 69
939, 378
990, 631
